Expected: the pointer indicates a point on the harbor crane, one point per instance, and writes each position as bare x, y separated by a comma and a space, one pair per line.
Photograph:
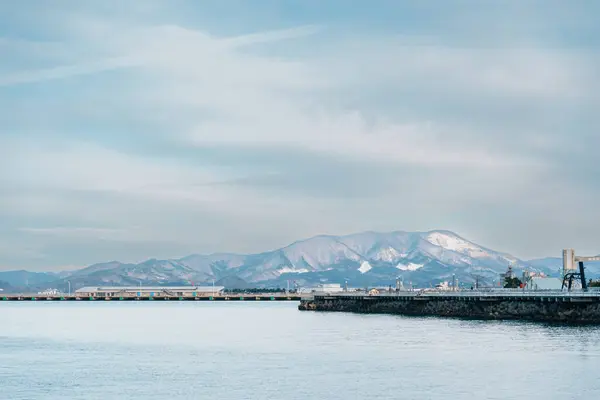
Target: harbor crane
572, 272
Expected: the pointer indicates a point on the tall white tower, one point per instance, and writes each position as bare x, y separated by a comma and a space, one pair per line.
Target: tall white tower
399, 283
569, 264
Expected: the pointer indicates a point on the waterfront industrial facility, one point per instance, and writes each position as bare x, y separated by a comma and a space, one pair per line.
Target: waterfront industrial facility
540, 299
150, 291
537, 297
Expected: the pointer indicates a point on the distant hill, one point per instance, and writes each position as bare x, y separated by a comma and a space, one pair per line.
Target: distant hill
363, 259
6, 287
25, 278
233, 282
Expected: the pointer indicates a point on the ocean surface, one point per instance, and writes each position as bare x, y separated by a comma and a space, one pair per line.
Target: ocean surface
263, 351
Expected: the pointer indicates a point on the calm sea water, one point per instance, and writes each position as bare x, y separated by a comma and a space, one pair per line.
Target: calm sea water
272, 351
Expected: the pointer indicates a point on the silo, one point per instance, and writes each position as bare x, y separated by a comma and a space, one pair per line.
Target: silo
569, 261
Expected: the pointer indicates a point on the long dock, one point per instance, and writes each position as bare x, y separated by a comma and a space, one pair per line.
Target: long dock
550, 306
38, 297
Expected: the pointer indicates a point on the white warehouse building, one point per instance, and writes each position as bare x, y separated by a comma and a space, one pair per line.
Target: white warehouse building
323, 288
149, 291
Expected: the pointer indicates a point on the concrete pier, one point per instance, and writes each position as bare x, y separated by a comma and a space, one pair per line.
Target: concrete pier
550, 306
150, 298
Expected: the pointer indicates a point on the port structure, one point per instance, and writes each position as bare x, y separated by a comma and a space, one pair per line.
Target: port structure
117, 297
573, 268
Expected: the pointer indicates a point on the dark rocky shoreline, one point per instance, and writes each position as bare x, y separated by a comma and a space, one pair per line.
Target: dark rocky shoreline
543, 309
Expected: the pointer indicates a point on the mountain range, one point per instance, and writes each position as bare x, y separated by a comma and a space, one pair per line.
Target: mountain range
363, 259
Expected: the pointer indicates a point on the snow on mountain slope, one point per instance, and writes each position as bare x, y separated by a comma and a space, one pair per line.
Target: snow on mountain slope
409, 267
362, 243
388, 254
319, 252
388, 246
364, 267
455, 243
288, 270
454, 249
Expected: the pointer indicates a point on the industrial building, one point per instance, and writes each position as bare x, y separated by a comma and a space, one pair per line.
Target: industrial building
149, 291
323, 288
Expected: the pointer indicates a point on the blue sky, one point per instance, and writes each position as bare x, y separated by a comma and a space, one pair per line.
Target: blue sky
139, 129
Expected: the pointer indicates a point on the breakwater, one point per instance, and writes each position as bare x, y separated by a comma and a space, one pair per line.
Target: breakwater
555, 306
148, 298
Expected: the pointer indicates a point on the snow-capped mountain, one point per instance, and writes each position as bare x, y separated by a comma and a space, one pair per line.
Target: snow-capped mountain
368, 258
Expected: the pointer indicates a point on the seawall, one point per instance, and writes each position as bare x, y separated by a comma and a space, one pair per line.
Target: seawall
34, 297
544, 307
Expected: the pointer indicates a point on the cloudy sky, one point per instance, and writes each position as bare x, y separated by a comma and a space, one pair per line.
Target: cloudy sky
140, 129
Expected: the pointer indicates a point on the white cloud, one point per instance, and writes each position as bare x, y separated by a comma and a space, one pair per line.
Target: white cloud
261, 100
66, 71
87, 234
96, 233
363, 102
533, 73
86, 166
55, 173
272, 36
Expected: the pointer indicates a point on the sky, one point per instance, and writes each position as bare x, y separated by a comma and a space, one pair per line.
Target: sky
157, 129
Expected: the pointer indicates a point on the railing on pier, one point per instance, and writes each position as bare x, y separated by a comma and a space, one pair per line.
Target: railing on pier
487, 292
